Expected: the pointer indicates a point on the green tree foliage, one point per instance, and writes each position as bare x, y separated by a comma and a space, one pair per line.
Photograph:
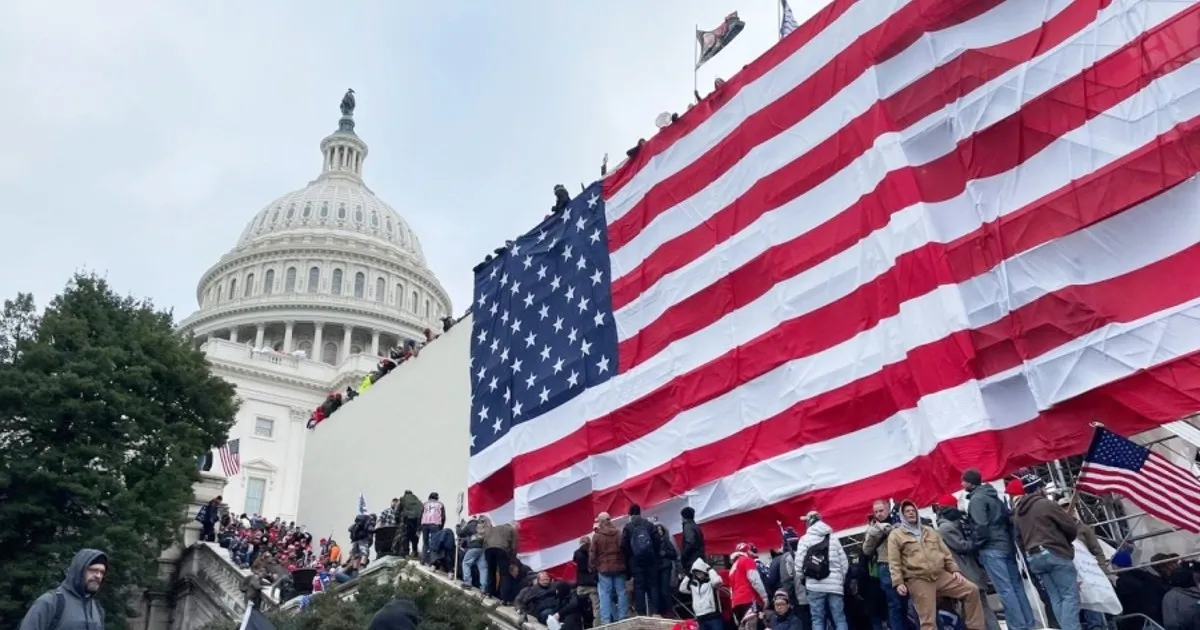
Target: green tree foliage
442, 607
104, 409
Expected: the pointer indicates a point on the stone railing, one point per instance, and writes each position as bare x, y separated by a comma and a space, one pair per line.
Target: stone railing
210, 586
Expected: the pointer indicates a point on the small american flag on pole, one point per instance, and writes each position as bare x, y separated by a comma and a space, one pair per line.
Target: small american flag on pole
362, 503
788, 23
231, 458
1117, 465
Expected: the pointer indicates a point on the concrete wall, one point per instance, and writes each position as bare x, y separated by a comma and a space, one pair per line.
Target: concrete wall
408, 432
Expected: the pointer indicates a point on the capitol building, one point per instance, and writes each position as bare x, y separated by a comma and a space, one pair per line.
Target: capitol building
321, 282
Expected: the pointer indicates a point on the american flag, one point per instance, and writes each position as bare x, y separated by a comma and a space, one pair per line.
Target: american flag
787, 23
1166, 491
231, 458
914, 237
362, 503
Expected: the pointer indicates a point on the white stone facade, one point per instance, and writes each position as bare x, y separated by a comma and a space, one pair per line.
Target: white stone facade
321, 282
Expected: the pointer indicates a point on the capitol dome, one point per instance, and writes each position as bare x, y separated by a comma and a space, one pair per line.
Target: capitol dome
325, 272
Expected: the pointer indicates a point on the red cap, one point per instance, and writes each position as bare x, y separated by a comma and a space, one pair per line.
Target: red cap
1014, 488
946, 500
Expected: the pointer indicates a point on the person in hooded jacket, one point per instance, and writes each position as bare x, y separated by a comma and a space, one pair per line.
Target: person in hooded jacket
950, 525
1181, 605
826, 596
643, 561
996, 549
923, 569
398, 614
72, 605
703, 584
668, 570
607, 560
1047, 534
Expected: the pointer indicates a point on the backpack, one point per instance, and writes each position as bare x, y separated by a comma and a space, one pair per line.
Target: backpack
202, 513
641, 542
764, 572
816, 560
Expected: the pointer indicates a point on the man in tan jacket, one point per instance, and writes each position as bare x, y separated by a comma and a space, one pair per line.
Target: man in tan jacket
922, 568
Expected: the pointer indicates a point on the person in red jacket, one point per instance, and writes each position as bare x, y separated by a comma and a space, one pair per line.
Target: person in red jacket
745, 582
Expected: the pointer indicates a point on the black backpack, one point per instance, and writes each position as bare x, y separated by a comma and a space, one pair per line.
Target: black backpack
641, 542
816, 560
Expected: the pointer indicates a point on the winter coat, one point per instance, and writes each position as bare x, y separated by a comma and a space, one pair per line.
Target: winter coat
789, 621
501, 537
704, 594
692, 548
411, 506
962, 549
1042, 523
584, 576
746, 582
913, 558
993, 528
876, 540
433, 513
838, 563
1181, 609
606, 556
1141, 591
470, 535
635, 523
80, 610
1090, 542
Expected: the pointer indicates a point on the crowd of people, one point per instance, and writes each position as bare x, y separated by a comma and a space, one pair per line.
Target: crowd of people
407, 351
910, 572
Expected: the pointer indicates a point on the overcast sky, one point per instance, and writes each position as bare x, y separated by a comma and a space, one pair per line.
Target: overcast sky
139, 141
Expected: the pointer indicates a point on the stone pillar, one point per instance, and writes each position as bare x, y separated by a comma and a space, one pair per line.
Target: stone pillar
375, 342
233, 334
287, 336
346, 338
318, 341
258, 336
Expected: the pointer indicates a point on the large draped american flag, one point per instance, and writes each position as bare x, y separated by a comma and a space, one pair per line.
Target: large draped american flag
914, 237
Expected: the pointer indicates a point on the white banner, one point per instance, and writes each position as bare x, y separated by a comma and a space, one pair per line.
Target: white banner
1095, 590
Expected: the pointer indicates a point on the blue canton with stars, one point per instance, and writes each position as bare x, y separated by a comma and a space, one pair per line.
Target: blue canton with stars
1110, 449
543, 322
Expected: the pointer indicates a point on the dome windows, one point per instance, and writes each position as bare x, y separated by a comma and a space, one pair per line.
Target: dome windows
387, 224
335, 286
314, 279
307, 210
291, 212
289, 280
249, 286
269, 282
342, 211
232, 288
374, 219
325, 210
360, 284
358, 215
275, 216
380, 290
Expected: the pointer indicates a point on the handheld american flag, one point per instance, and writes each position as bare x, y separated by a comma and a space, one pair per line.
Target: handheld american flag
914, 237
231, 457
1117, 465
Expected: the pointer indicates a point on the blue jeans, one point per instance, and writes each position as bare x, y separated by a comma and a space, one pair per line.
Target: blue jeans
897, 604
1002, 570
646, 596
607, 585
1059, 578
1094, 620
827, 603
475, 558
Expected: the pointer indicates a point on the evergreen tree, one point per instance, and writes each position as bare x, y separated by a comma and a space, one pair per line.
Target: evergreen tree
442, 607
104, 409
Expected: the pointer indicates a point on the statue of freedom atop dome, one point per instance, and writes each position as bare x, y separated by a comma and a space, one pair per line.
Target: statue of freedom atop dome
348, 103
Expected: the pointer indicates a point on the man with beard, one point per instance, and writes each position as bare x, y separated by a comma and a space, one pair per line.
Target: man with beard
72, 604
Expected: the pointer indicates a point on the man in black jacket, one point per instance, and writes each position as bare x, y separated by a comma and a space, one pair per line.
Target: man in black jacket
642, 548
991, 521
585, 580
692, 548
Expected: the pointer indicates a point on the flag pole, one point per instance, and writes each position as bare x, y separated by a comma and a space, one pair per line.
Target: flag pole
695, 61
779, 18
